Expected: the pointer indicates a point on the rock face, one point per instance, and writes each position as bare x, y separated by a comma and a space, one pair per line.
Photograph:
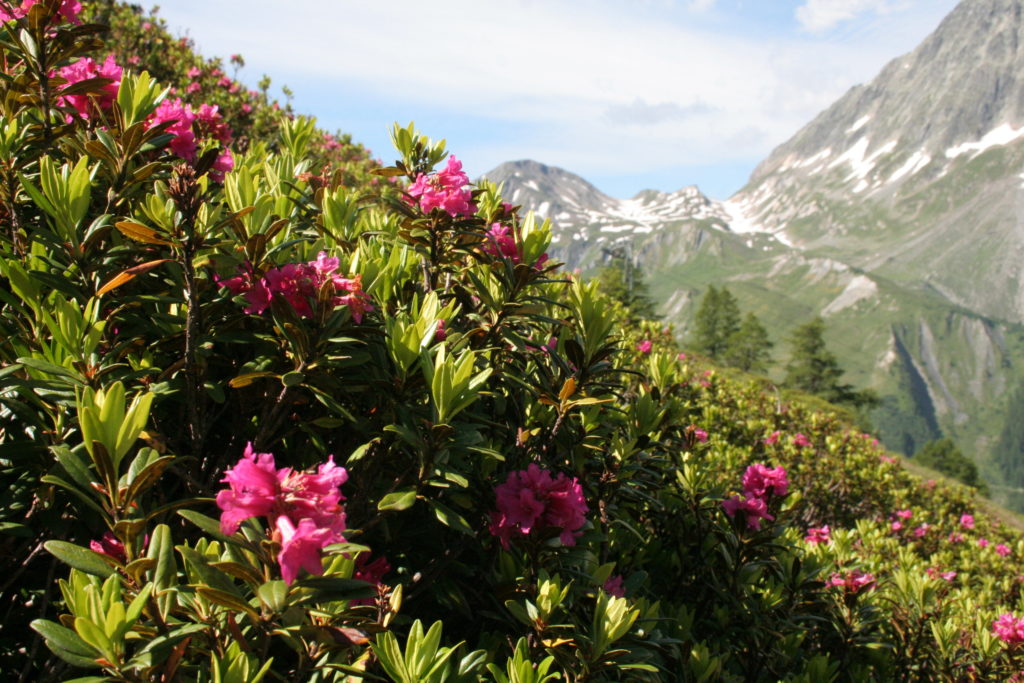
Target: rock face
917, 175
897, 214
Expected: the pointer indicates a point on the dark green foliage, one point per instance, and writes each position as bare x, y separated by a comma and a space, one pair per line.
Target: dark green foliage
1009, 449
718, 319
749, 347
943, 456
814, 369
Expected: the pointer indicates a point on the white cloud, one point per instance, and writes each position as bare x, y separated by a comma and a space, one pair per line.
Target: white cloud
702, 5
821, 15
610, 89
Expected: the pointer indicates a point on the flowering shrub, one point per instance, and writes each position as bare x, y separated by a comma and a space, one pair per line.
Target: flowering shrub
173, 459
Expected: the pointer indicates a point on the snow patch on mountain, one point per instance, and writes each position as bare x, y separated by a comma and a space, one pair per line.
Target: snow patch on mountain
1003, 135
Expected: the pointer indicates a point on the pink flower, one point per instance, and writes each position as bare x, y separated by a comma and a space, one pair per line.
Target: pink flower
246, 108
440, 334
109, 545
759, 480
955, 537
1009, 629
370, 572
211, 124
69, 9
754, 509
447, 190
904, 514
818, 535
195, 72
853, 582
700, 435
193, 88
681, 357
225, 162
948, 576
300, 547
967, 521
982, 542
180, 118
1002, 550
613, 586
921, 531
85, 69
256, 488
532, 498
299, 284
772, 438
887, 459
801, 441
645, 346
896, 526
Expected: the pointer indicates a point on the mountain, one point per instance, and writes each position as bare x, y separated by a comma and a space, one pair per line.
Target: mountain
895, 214
917, 175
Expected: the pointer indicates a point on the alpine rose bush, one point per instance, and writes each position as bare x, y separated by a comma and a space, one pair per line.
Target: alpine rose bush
85, 69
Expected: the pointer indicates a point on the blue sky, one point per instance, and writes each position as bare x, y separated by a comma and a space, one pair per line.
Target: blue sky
630, 94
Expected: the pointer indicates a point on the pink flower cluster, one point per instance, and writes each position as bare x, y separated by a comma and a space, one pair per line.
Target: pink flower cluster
370, 572
304, 510
613, 586
500, 242
1009, 629
69, 9
852, 582
531, 499
818, 535
109, 545
801, 440
85, 69
447, 189
645, 346
183, 124
759, 482
934, 573
299, 284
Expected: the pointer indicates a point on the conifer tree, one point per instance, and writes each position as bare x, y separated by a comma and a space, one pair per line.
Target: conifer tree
749, 348
812, 367
623, 281
944, 456
717, 320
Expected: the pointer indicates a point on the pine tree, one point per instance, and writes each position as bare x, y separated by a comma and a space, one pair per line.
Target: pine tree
749, 348
718, 319
623, 281
812, 367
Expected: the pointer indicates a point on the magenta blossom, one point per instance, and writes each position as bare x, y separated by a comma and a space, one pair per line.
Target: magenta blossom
967, 521
645, 346
1002, 550
300, 284
772, 438
447, 190
109, 545
85, 69
982, 542
852, 582
69, 10
1009, 629
613, 586
801, 441
304, 509
904, 514
501, 242
700, 435
759, 480
818, 535
754, 509
921, 531
531, 499
370, 572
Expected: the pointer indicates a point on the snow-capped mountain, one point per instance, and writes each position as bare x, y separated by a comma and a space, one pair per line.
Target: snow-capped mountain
897, 214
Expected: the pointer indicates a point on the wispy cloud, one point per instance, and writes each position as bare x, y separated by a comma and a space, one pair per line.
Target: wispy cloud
620, 87
821, 15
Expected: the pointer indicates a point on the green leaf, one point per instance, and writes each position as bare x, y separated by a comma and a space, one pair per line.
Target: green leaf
65, 638
80, 558
450, 518
398, 500
291, 379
